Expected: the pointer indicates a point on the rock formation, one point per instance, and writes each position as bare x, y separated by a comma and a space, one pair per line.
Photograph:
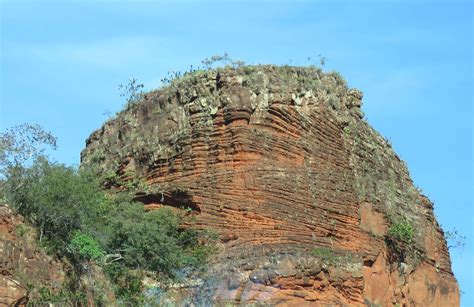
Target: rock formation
302, 191
28, 273
23, 265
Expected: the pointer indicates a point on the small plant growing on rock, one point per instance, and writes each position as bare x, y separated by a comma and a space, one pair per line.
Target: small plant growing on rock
454, 238
224, 59
208, 62
400, 241
402, 230
132, 92
325, 254
21, 230
322, 60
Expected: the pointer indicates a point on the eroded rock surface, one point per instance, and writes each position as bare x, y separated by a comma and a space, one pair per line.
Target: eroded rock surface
28, 274
23, 265
280, 162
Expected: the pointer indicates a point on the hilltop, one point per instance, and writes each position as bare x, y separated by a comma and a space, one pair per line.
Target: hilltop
310, 202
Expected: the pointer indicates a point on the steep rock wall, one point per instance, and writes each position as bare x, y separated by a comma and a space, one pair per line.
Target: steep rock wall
280, 162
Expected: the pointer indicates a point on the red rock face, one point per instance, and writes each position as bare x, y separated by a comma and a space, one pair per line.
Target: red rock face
22, 263
26, 269
279, 162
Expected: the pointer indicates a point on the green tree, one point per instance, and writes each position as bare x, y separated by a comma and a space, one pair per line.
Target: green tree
154, 240
78, 220
21, 144
56, 198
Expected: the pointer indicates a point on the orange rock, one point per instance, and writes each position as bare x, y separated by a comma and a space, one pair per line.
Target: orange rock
279, 160
22, 263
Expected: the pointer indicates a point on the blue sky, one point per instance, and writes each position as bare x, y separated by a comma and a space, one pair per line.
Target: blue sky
62, 62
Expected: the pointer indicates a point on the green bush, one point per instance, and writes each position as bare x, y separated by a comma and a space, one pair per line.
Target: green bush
75, 216
59, 200
400, 241
80, 221
153, 240
127, 283
402, 230
21, 230
45, 297
86, 247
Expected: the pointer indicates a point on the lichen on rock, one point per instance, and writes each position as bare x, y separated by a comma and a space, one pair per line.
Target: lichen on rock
279, 160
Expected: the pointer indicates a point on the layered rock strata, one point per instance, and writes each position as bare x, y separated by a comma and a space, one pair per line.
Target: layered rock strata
302, 191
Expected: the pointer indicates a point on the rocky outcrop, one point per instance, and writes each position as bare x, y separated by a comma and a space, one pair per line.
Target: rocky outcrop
28, 275
23, 265
280, 162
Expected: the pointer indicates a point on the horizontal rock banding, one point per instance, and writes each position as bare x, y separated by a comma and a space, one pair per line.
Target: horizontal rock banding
275, 159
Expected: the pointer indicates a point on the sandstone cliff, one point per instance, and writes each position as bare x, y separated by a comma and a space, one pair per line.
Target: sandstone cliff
302, 191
